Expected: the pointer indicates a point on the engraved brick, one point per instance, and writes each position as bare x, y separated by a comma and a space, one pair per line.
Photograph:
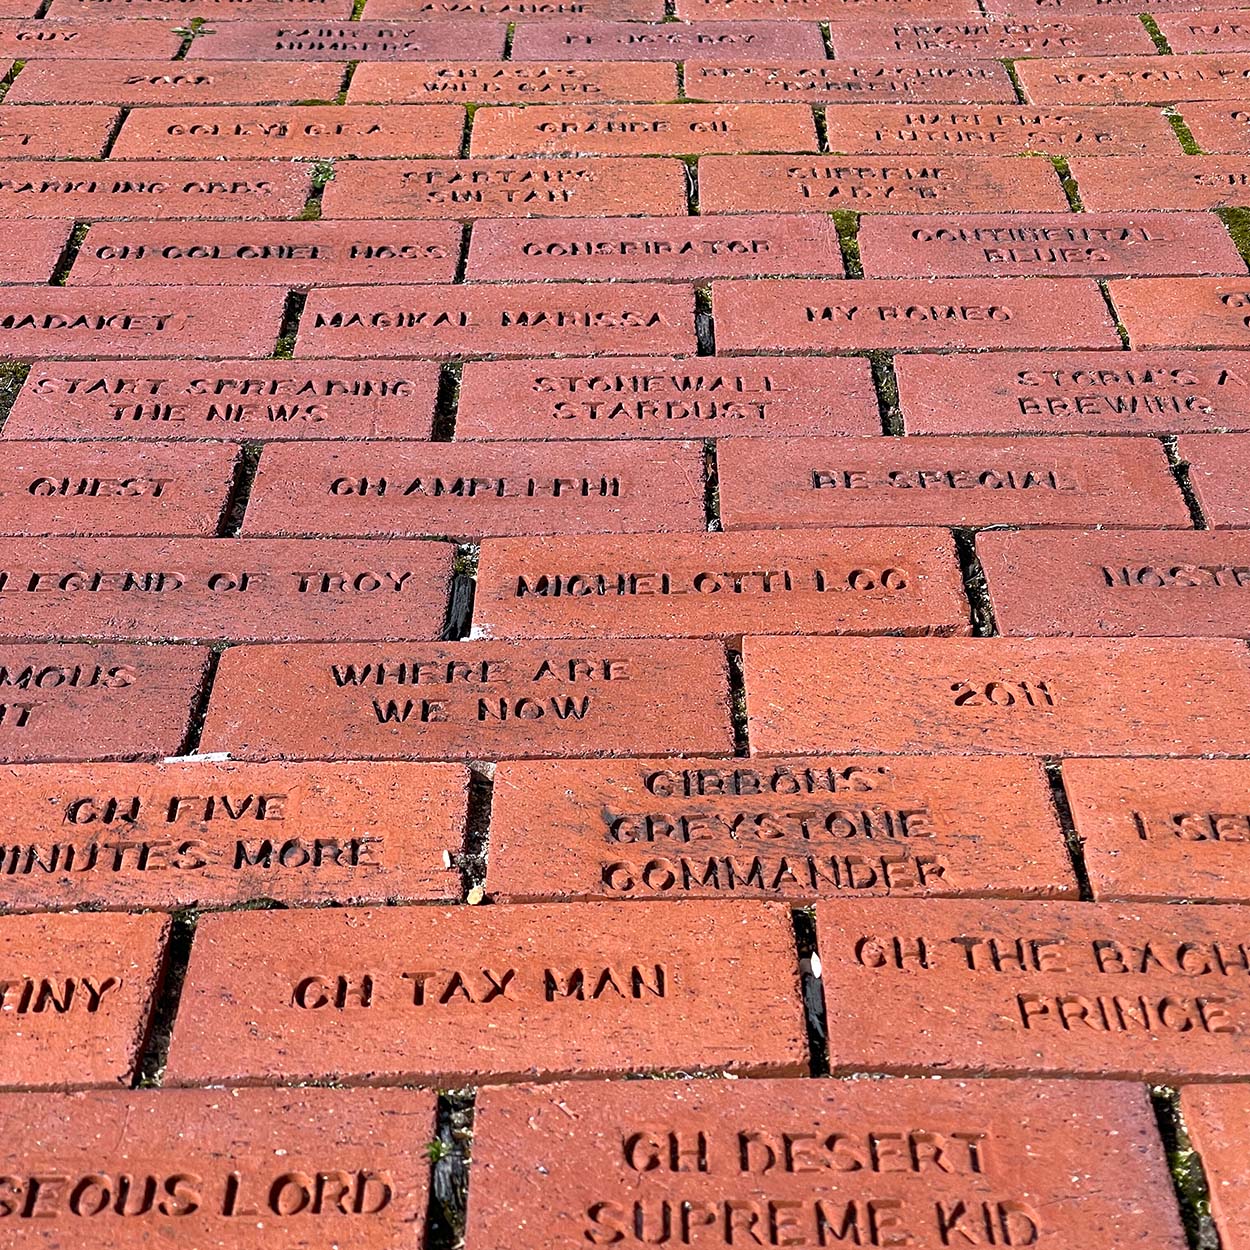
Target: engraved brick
1219, 466
480, 700
1208, 31
1188, 182
816, 316
482, 320
654, 397
661, 248
1048, 35
520, 10
843, 82
115, 489
1013, 9
962, 988
292, 254
347, 41
1075, 392
1220, 127
668, 41
32, 253
1004, 131
138, 82
1161, 584
209, 833
134, 322
1189, 312
643, 130
53, 38
245, 1168
35, 132
209, 10
70, 701
1061, 245
948, 481
997, 696
754, 184
505, 188
388, 490
1216, 1117
870, 581
511, 82
822, 10
78, 997
874, 1159
484, 995
1162, 830
1104, 80
249, 590
246, 400
798, 829
320, 130
100, 190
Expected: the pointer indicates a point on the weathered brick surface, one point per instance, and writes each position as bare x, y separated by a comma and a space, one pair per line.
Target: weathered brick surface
1102, 80
1219, 127
516, 10
1216, 1118
1218, 468
33, 253
1208, 31
205, 833
1194, 312
214, 10
1187, 182
304, 39
64, 131
626, 41
489, 995
801, 828
54, 39
507, 82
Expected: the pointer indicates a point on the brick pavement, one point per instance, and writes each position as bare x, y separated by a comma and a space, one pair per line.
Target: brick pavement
549, 542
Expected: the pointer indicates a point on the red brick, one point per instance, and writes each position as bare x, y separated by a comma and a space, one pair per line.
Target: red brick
347, 41
1163, 583
1219, 127
1137, 79
298, 254
653, 397
1049, 35
1009, 131
816, 316
293, 1164
157, 82
479, 700
753, 184
1191, 312
51, 38
18, 8
797, 829
715, 987
247, 590
101, 489
1133, 183
1015, 8
69, 701
321, 130
97, 191
231, 399
507, 82
948, 481
136, 321
1162, 829
519, 10
1219, 465
207, 833
209, 10
1208, 31
1074, 392
77, 1002
32, 254
841, 82
506, 188
643, 130
388, 490
482, 320
1034, 989
997, 696
1059, 245
1081, 1164
823, 10
1217, 1118
35, 132
670, 41
663, 248
878, 581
